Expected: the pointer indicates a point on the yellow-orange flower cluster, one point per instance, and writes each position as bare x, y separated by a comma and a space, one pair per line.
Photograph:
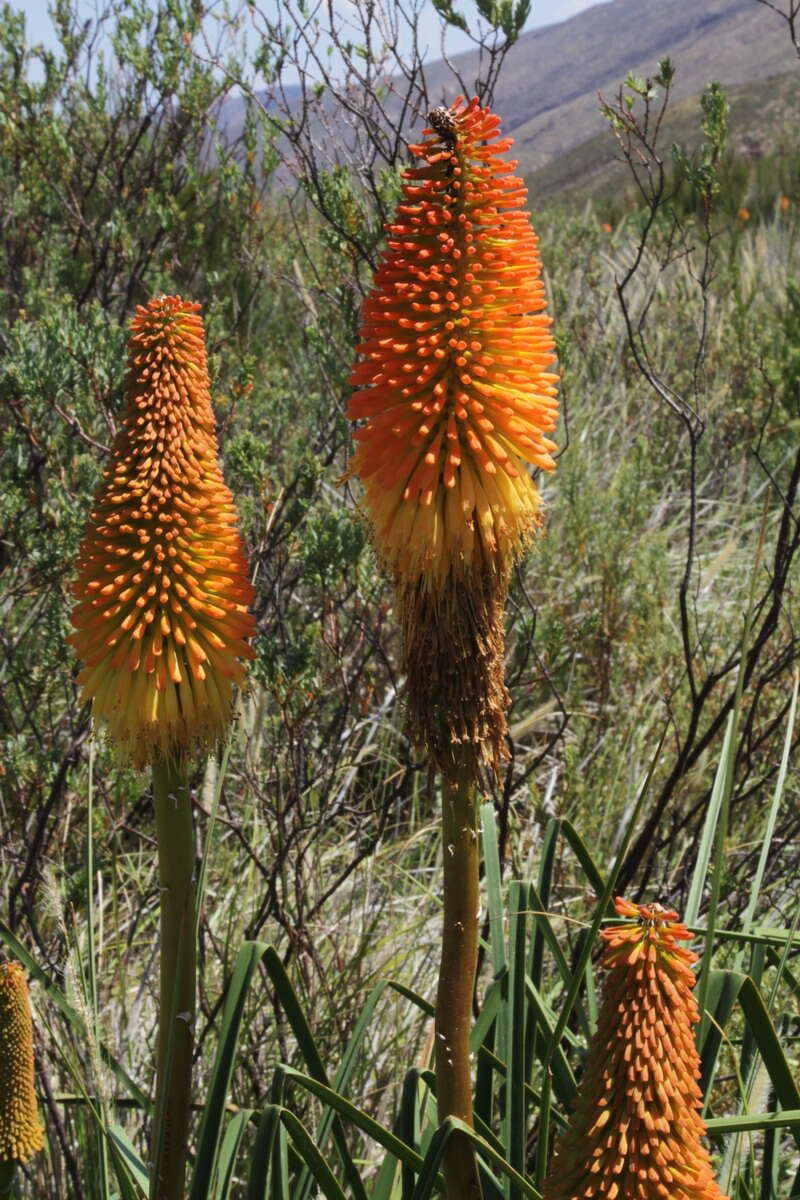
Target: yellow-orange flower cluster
162, 591
453, 381
20, 1131
636, 1130
454, 396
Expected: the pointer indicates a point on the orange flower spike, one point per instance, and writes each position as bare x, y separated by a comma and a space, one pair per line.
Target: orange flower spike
162, 592
636, 1129
455, 394
453, 380
20, 1130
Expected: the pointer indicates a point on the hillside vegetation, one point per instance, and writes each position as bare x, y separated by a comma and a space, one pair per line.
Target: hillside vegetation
652, 630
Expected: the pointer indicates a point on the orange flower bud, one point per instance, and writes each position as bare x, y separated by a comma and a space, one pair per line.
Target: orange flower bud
20, 1131
635, 1133
455, 393
162, 590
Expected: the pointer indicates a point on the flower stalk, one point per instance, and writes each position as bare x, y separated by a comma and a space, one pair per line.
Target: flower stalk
177, 983
459, 958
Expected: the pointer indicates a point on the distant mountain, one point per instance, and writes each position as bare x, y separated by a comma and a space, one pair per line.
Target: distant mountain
548, 87
762, 120
547, 93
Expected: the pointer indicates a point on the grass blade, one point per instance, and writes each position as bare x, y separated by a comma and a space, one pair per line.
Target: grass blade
132, 1176
248, 958
263, 1155
228, 1153
429, 1178
722, 781
780, 783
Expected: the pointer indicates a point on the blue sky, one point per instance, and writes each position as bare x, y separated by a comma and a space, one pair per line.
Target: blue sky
544, 12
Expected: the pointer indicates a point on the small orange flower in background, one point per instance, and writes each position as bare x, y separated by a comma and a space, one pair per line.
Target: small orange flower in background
455, 388
162, 590
20, 1130
784, 203
606, 228
636, 1128
743, 214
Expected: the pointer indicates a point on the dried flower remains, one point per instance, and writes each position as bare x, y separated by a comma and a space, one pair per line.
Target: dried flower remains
162, 591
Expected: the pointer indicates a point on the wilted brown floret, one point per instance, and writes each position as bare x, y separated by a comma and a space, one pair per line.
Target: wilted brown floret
636, 1129
20, 1131
162, 592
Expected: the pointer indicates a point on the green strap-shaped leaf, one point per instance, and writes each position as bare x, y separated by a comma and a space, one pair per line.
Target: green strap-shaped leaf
722, 779
359, 1118
491, 861
594, 876
771, 1051
563, 1079
772, 816
248, 958
133, 1179
228, 1153
542, 901
347, 1065
408, 1125
515, 1124
429, 1175
311, 1156
722, 1126
263, 1157
721, 995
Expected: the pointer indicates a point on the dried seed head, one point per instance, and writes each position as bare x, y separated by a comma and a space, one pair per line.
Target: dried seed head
454, 393
162, 590
20, 1131
636, 1129
454, 658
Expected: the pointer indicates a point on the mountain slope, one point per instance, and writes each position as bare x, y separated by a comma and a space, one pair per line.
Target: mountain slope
547, 92
762, 120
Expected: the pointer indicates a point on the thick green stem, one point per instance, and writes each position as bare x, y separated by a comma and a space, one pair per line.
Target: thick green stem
176, 862
457, 973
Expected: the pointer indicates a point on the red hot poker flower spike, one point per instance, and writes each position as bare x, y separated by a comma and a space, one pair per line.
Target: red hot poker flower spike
453, 380
455, 395
20, 1130
635, 1133
162, 590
